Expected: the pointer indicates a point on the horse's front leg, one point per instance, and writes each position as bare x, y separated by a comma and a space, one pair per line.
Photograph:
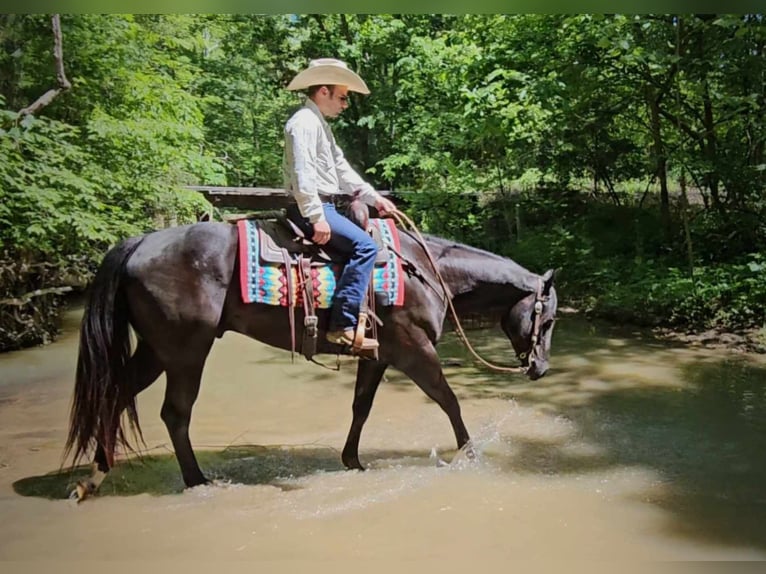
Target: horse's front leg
368, 376
419, 361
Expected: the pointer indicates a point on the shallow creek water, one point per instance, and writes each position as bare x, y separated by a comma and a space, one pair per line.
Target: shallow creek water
629, 448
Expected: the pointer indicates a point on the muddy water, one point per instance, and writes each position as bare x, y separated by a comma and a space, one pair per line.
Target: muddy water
629, 448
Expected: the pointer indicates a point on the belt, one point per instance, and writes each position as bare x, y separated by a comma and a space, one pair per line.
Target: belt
334, 198
329, 198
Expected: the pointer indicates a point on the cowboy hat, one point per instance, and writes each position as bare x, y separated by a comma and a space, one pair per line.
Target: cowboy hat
331, 72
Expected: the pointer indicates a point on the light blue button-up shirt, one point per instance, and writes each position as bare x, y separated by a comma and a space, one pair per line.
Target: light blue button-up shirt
314, 164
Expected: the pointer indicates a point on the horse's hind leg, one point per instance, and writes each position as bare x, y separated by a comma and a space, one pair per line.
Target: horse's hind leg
180, 394
143, 368
368, 376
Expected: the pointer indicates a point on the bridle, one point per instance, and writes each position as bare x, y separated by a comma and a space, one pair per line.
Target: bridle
531, 356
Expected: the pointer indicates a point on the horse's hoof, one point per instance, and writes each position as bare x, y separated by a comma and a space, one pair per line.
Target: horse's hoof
82, 490
466, 454
352, 464
198, 482
435, 457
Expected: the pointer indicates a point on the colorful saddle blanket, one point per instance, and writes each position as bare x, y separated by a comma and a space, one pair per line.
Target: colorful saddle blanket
265, 281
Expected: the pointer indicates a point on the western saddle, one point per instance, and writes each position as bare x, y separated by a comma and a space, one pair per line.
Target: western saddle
282, 242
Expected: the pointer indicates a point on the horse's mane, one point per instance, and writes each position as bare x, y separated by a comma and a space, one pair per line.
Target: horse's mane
479, 265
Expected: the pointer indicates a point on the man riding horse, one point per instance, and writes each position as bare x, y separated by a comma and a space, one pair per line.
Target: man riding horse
316, 174
178, 290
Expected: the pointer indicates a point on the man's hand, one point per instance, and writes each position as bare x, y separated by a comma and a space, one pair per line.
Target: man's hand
321, 232
384, 206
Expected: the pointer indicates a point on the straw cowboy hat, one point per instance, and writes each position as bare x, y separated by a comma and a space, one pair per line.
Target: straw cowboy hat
331, 72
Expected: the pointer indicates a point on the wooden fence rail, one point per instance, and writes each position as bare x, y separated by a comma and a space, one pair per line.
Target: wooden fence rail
249, 197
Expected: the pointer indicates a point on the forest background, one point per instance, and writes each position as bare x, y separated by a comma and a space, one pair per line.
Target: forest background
625, 150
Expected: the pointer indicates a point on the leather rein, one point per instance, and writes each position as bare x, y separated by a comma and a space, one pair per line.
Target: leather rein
534, 348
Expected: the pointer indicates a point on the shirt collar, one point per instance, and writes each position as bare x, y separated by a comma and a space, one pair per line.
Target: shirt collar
314, 108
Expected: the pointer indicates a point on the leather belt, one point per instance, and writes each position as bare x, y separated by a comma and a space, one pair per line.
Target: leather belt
333, 198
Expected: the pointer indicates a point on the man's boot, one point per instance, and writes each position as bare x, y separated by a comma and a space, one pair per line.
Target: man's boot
355, 338
348, 338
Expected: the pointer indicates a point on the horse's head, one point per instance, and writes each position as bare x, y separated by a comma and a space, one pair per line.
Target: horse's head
529, 326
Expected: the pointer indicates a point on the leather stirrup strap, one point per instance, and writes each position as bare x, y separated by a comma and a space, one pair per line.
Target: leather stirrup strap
371, 311
307, 285
290, 301
310, 320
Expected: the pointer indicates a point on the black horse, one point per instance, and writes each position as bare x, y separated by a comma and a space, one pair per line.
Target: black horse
179, 291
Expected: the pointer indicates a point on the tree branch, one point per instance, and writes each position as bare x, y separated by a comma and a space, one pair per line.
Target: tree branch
27, 297
682, 125
58, 53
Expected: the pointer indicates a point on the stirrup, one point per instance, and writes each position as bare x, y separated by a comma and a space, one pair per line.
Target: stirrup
345, 338
359, 339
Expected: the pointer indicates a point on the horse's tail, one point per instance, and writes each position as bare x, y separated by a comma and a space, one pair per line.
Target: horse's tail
100, 391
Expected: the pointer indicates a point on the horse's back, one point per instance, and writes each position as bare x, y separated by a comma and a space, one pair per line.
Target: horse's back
178, 277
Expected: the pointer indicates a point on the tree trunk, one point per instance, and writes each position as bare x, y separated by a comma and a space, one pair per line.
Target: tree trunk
660, 159
687, 231
710, 148
58, 52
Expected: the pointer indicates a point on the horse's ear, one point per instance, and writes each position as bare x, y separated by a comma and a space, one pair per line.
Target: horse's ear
548, 278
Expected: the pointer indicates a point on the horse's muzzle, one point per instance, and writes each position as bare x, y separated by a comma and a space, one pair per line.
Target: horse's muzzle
537, 369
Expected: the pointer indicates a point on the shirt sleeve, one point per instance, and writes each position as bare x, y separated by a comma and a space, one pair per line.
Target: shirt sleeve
350, 181
301, 147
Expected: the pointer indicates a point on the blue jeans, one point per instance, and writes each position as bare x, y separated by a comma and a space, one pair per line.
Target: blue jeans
353, 242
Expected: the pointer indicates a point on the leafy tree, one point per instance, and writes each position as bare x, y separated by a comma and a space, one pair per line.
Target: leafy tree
558, 137
244, 63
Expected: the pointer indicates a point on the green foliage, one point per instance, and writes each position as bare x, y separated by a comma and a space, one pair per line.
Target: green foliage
242, 62
556, 139
725, 237
49, 201
135, 139
105, 160
731, 296
54, 221
613, 264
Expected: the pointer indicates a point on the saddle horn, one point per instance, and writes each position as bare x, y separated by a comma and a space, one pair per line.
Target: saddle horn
359, 212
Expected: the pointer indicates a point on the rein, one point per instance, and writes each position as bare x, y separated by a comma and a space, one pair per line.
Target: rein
403, 219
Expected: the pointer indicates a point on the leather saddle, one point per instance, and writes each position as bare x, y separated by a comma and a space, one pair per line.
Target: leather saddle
280, 237
283, 243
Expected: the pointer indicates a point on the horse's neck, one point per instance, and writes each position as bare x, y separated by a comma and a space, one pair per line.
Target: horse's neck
480, 280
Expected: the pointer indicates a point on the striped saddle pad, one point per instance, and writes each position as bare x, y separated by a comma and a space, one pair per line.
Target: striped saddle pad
263, 269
